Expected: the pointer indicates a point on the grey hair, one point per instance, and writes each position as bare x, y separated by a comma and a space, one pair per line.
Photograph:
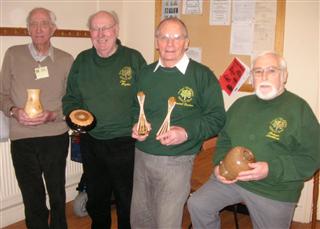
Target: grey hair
113, 14
52, 16
281, 61
172, 19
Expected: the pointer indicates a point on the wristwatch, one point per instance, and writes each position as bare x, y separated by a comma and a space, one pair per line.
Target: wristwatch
11, 111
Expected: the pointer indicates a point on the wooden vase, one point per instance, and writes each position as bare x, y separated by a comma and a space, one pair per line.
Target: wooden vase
235, 161
33, 105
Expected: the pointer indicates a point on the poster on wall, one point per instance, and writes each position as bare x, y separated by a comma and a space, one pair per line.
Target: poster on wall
195, 53
220, 11
170, 8
192, 6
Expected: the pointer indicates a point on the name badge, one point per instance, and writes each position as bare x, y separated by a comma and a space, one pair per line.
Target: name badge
41, 72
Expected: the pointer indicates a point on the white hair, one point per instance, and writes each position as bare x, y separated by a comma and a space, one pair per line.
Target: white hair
113, 14
52, 16
281, 61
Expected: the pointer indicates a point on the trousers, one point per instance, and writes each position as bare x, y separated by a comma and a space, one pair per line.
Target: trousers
160, 190
36, 160
205, 204
108, 166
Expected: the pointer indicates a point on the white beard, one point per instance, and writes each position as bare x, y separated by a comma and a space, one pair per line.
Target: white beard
270, 95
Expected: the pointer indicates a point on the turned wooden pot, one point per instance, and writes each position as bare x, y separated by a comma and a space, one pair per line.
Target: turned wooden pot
33, 105
81, 120
235, 161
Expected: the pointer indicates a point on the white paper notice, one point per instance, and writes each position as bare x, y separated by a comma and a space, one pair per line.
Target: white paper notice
170, 8
220, 11
192, 6
241, 38
264, 28
195, 53
243, 11
266, 12
264, 35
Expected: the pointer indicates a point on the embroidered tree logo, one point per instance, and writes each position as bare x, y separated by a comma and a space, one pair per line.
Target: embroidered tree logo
185, 95
125, 75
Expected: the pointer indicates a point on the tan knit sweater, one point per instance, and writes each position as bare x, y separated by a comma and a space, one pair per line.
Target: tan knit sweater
17, 75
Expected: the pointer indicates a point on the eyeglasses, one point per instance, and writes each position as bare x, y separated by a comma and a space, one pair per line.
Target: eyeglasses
172, 37
42, 25
269, 71
102, 29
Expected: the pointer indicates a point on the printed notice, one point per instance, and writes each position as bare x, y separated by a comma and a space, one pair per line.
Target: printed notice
220, 12
241, 38
192, 6
170, 8
194, 53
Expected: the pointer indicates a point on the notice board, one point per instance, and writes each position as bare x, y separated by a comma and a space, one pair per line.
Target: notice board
214, 41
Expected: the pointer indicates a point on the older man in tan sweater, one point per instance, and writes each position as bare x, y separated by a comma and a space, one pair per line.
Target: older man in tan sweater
39, 145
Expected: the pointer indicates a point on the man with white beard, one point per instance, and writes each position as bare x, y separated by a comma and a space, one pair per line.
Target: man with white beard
282, 132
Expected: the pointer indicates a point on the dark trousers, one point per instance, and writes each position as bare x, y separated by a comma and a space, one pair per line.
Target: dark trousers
108, 165
36, 157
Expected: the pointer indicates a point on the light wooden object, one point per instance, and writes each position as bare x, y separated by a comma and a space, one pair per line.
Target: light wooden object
33, 105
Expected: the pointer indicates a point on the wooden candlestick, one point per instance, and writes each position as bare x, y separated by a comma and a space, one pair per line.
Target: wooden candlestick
142, 127
165, 127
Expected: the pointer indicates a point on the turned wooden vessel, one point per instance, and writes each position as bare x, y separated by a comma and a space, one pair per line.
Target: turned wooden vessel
81, 120
33, 105
236, 161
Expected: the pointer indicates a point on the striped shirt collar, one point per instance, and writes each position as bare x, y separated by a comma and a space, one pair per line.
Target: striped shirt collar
36, 56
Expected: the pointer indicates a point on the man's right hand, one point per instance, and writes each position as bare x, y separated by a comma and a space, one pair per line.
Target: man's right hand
135, 134
221, 178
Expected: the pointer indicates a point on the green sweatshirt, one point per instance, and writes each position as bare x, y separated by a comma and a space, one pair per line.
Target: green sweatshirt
104, 86
199, 108
283, 132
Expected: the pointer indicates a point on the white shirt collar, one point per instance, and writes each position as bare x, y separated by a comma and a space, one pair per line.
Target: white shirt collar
181, 65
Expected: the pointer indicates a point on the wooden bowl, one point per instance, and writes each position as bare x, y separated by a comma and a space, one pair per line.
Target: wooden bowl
81, 120
236, 161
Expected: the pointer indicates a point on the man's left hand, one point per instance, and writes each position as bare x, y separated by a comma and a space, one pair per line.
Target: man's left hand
176, 135
44, 117
259, 171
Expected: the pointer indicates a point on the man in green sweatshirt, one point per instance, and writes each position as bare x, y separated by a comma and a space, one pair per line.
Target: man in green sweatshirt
101, 81
164, 159
282, 132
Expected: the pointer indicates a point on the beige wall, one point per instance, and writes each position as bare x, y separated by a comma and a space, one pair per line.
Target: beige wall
301, 49
136, 30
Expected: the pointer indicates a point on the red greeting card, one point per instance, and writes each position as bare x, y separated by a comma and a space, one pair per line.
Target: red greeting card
234, 76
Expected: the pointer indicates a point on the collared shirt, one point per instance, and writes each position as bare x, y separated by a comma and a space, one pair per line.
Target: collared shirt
181, 65
36, 56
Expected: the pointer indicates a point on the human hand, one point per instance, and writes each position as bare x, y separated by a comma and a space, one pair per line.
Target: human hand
135, 134
221, 178
22, 117
176, 135
259, 171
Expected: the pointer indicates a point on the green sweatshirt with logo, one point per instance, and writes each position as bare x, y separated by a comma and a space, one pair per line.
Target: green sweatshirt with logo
199, 106
104, 86
283, 132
